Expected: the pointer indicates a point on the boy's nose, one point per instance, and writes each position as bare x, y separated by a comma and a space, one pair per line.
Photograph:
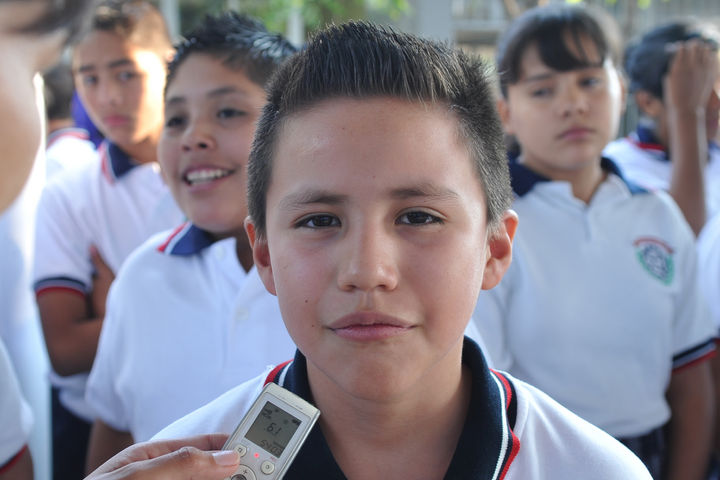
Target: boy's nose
572, 102
368, 261
197, 137
109, 94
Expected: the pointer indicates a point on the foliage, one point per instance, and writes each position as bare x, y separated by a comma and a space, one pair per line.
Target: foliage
315, 13
641, 3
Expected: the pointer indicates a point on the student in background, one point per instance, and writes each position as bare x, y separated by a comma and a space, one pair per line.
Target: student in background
91, 218
193, 293
600, 308
67, 146
378, 196
673, 73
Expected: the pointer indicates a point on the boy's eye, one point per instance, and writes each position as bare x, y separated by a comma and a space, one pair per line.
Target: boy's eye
319, 221
541, 92
174, 121
418, 218
590, 81
89, 80
126, 76
230, 113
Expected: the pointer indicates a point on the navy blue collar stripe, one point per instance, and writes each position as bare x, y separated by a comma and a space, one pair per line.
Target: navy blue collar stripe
115, 162
523, 179
187, 240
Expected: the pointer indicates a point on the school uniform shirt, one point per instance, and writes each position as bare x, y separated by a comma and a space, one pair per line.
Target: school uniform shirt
708, 245
184, 323
600, 303
66, 148
645, 162
512, 431
15, 415
114, 204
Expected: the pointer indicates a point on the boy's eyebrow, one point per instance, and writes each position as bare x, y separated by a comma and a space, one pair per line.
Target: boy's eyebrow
218, 92
114, 64
539, 77
308, 197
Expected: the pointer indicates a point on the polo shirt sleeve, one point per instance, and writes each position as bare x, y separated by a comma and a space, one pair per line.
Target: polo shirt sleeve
490, 317
102, 390
693, 330
62, 241
15, 415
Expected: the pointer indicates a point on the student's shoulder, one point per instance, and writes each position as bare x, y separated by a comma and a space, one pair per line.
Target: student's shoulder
219, 416
74, 178
555, 443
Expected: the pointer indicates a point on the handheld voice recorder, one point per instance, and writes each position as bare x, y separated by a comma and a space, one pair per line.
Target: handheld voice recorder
271, 434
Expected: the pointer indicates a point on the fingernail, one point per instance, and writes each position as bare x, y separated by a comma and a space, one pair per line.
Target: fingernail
226, 457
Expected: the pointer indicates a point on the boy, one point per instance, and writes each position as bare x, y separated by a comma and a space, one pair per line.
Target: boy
193, 293
673, 72
377, 175
91, 217
600, 308
66, 145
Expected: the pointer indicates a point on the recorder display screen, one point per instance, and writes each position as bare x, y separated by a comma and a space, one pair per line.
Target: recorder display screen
272, 429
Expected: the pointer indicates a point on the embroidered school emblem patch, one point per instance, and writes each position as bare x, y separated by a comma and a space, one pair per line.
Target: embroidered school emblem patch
656, 257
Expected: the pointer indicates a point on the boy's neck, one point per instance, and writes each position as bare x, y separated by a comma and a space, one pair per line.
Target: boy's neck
422, 426
142, 152
583, 182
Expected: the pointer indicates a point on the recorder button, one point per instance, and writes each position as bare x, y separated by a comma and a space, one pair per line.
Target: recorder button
243, 473
241, 450
267, 467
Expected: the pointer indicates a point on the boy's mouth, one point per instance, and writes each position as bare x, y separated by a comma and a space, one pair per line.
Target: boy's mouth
205, 175
367, 326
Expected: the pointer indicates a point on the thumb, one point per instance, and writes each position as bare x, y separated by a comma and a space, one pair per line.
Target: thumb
188, 463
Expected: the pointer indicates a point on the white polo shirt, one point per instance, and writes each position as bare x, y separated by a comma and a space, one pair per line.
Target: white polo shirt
15, 416
184, 323
645, 162
708, 245
113, 204
512, 431
66, 148
601, 301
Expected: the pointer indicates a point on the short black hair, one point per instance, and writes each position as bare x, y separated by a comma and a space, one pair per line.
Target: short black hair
58, 92
68, 15
647, 58
241, 42
361, 60
547, 27
138, 21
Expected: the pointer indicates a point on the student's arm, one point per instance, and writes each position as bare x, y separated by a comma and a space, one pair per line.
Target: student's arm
183, 459
687, 87
715, 368
692, 405
105, 442
72, 323
18, 468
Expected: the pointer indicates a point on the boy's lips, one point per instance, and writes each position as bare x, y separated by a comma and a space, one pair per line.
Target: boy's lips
115, 120
369, 326
575, 133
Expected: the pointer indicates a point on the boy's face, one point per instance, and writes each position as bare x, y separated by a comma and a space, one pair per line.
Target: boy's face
376, 243
210, 116
563, 120
121, 85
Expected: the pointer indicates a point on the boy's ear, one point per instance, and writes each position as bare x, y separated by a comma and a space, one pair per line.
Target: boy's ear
503, 110
499, 253
261, 256
648, 104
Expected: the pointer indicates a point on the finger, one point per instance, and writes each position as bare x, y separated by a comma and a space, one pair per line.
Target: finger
97, 259
187, 463
208, 442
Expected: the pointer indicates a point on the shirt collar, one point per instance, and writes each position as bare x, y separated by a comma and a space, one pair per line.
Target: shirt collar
186, 240
487, 444
523, 179
70, 132
645, 139
115, 162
